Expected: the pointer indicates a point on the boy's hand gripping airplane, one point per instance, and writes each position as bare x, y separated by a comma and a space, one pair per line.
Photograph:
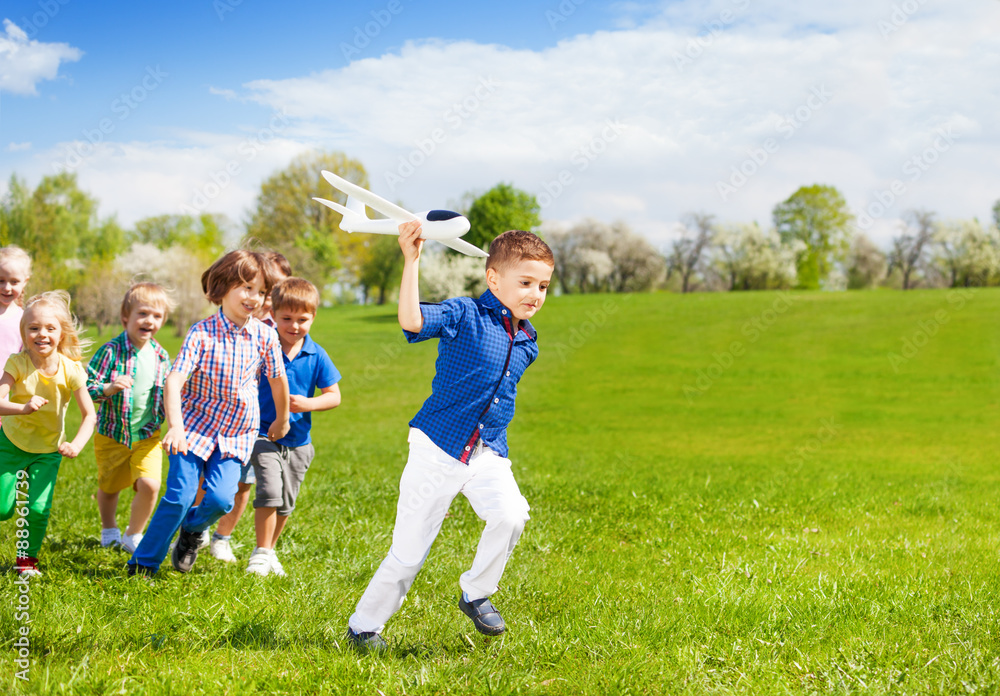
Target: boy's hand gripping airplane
443, 225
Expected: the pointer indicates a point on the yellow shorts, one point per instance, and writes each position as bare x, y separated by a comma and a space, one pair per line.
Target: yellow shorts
118, 467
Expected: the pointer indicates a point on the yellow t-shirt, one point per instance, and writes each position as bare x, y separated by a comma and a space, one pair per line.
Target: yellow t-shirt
42, 431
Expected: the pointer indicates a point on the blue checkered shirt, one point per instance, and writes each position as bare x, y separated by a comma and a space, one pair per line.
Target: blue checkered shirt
482, 353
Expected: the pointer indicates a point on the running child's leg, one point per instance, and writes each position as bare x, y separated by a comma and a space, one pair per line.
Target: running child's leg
496, 498
182, 485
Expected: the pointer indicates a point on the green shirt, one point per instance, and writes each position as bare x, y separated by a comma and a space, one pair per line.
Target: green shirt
142, 390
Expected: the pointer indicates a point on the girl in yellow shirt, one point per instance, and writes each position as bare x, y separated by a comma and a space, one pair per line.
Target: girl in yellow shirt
35, 390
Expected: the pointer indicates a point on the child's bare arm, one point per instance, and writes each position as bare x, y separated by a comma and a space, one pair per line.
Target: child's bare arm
175, 441
328, 398
9, 408
72, 449
410, 242
279, 391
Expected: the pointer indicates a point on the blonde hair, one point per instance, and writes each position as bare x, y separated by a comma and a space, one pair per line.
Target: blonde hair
150, 294
70, 343
18, 255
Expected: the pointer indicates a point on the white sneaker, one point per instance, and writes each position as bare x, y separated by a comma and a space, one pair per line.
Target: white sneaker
260, 561
220, 549
276, 565
111, 537
206, 539
131, 541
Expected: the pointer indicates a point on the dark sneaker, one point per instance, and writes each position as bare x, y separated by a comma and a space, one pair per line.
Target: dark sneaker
140, 570
484, 615
185, 550
366, 641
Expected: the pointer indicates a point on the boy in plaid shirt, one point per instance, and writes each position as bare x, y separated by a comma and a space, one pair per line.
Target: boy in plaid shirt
125, 379
458, 440
212, 411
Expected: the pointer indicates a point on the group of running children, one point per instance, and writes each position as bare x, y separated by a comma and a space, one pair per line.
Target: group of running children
237, 404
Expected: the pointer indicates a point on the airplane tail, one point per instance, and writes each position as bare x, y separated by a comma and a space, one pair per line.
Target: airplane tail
356, 206
350, 216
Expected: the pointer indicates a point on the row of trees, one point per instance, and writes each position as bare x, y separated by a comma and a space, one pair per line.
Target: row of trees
96, 258
814, 243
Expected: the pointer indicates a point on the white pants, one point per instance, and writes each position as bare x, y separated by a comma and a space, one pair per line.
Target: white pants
429, 483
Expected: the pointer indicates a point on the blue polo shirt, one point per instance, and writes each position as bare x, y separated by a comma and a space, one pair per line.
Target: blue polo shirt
311, 369
482, 353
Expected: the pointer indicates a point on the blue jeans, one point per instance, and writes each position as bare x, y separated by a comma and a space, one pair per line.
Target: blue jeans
222, 474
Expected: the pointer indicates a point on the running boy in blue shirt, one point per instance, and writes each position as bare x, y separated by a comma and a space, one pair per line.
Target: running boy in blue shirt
458, 440
281, 465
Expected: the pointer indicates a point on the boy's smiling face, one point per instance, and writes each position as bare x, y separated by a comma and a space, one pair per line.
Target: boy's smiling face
521, 287
292, 325
143, 323
242, 300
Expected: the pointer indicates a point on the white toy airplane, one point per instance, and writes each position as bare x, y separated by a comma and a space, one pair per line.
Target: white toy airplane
444, 226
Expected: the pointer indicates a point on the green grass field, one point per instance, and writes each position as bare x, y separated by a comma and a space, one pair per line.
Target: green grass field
754, 493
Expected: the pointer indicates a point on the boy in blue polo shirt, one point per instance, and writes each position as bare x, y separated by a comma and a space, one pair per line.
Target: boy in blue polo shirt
458, 440
281, 466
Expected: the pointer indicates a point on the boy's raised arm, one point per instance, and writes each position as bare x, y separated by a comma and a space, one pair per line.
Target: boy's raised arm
410, 318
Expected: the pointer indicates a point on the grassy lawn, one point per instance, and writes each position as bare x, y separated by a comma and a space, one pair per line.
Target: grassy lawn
758, 493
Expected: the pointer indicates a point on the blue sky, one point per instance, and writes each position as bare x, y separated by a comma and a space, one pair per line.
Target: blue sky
639, 111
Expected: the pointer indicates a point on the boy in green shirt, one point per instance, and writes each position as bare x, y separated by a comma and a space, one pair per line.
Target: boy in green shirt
126, 378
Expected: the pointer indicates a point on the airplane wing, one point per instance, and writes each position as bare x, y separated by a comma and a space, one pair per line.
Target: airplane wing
368, 198
464, 247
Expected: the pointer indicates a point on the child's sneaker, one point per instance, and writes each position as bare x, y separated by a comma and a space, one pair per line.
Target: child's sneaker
130, 542
260, 562
276, 567
27, 567
366, 642
185, 551
111, 537
221, 549
206, 539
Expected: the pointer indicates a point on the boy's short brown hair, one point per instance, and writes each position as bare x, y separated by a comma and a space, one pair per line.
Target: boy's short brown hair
517, 245
239, 266
280, 262
294, 295
150, 294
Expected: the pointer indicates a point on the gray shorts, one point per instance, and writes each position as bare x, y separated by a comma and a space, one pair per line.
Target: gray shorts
280, 471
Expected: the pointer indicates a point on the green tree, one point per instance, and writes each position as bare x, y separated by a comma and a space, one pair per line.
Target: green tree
382, 266
287, 220
501, 208
15, 213
996, 214
204, 234
57, 225
818, 216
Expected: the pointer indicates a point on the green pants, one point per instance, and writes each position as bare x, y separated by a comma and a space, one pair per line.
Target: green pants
27, 482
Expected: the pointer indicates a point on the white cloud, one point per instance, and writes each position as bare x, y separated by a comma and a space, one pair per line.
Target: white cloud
18, 147
192, 173
24, 63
